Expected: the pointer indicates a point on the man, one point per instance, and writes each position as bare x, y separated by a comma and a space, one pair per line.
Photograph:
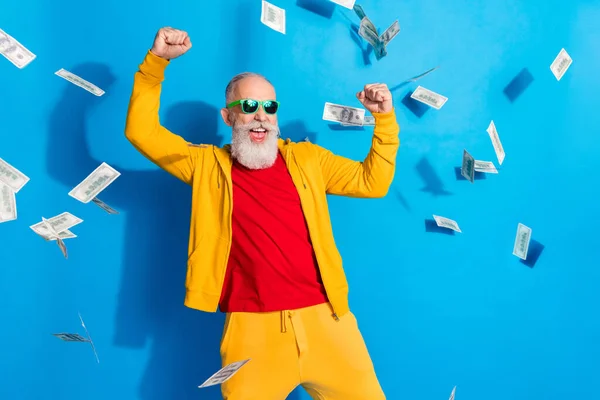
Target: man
261, 245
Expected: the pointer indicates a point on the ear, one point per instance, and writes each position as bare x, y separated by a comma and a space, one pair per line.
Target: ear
225, 114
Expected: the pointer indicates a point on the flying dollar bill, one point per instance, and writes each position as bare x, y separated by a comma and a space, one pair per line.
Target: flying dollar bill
416, 78
485, 166
452, 394
14, 51
349, 4
224, 374
57, 227
468, 166
368, 121
63, 247
273, 17
95, 183
344, 114
561, 64
71, 337
428, 97
491, 130
12, 176
78, 81
368, 32
8, 203
104, 206
522, 240
444, 222
390, 33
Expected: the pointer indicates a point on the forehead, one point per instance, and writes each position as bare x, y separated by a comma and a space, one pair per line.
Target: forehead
256, 88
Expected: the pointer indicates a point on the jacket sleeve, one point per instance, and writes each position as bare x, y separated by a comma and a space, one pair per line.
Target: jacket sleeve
371, 177
143, 129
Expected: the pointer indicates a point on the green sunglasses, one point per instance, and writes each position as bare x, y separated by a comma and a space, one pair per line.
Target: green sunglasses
250, 106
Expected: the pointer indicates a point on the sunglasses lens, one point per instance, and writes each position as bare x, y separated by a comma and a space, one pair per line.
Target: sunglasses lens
249, 106
270, 107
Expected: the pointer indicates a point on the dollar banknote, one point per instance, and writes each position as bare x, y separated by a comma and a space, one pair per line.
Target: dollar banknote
561, 64
368, 121
452, 394
57, 227
63, 247
390, 33
14, 51
428, 97
468, 167
82, 83
104, 206
343, 114
11, 176
224, 374
367, 32
485, 166
95, 183
89, 337
444, 222
8, 203
349, 4
273, 17
491, 130
522, 241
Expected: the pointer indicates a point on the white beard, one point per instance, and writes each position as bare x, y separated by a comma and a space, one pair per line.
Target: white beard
254, 155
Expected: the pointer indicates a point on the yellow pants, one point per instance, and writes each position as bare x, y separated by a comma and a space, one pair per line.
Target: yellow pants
306, 347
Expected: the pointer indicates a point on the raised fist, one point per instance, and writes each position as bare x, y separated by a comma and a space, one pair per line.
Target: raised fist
376, 97
170, 43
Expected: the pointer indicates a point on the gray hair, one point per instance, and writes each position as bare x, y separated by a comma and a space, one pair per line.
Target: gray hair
234, 81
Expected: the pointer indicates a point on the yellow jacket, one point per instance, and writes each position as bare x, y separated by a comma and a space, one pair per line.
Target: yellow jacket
314, 170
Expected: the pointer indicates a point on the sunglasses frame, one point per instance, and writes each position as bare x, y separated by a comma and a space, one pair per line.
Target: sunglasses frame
260, 104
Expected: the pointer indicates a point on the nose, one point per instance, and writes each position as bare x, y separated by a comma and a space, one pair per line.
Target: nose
260, 115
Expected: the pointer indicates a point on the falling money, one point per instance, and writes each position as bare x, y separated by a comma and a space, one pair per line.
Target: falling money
522, 240
82, 83
485, 166
95, 183
443, 222
468, 167
14, 51
224, 374
273, 17
561, 64
428, 97
343, 114
8, 203
12, 176
491, 130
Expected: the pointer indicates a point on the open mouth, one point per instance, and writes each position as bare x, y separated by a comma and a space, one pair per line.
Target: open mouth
258, 134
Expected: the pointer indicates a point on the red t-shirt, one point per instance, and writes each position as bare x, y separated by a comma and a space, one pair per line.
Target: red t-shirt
272, 265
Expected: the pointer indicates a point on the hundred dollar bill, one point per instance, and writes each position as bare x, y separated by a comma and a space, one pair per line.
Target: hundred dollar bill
491, 130
14, 51
452, 394
349, 4
345, 114
8, 203
390, 33
273, 17
224, 374
366, 32
522, 241
95, 183
89, 338
11, 176
57, 227
428, 97
561, 64
468, 167
82, 83
104, 206
368, 121
53, 233
485, 166
444, 222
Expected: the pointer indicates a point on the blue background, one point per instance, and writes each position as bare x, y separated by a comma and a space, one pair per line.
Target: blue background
437, 310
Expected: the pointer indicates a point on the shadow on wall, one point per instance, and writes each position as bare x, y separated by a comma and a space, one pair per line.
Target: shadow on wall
150, 312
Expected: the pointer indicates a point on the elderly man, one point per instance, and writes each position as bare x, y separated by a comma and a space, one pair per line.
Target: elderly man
261, 246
